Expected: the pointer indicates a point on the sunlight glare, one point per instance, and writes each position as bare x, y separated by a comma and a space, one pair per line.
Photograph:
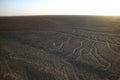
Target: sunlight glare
84, 7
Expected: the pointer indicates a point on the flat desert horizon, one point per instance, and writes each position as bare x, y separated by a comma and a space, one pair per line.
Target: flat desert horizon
60, 47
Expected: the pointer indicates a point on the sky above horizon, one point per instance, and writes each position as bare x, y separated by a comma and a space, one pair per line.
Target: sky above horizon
59, 7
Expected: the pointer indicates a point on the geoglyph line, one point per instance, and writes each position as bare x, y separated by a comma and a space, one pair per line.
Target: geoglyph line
103, 61
108, 45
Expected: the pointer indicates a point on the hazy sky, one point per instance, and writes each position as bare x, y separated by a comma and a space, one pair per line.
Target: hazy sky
59, 7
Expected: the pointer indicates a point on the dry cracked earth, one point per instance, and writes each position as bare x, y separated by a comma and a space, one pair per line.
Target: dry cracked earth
60, 48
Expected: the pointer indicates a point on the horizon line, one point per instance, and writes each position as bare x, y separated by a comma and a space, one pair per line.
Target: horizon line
58, 15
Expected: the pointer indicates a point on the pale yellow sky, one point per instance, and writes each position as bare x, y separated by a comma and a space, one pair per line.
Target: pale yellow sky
59, 7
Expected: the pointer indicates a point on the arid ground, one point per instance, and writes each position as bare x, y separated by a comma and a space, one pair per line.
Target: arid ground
60, 48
